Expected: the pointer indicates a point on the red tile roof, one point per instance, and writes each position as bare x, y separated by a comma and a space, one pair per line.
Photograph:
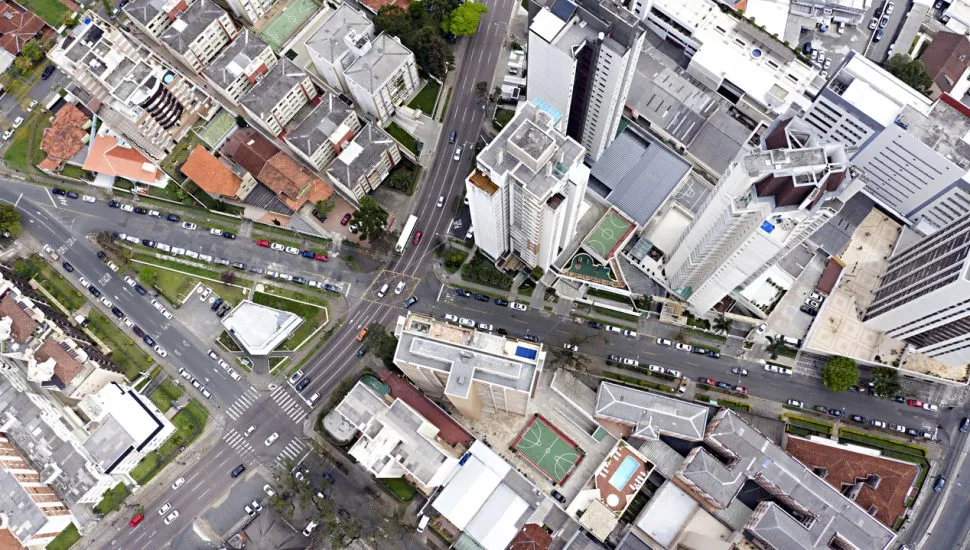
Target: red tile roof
107, 156
249, 149
531, 537
211, 175
946, 58
376, 5
64, 138
23, 325
291, 183
66, 368
450, 431
830, 276
17, 27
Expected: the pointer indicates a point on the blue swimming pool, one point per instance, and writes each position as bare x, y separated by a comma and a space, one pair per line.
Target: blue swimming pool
624, 472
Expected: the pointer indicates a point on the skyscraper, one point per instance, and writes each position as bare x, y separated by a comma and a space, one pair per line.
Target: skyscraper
582, 58
768, 202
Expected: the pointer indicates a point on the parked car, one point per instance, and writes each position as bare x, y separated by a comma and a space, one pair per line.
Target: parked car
706, 380
930, 407
346, 219
796, 403
594, 324
136, 520
501, 302
914, 403
517, 306
68, 267
664, 342
682, 346
939, 484
570, 347
410, 302
739, 371
263, 243
836, 412
857, 418
878, 424
630, 362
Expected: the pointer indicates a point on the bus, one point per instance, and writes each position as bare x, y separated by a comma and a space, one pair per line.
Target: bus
402, 242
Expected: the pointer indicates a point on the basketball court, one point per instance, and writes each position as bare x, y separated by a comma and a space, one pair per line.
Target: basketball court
548, 450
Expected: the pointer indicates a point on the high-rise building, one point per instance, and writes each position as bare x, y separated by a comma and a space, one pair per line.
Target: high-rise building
527, 189
923, 298
32, 512
768, 202
582, 58
250, 10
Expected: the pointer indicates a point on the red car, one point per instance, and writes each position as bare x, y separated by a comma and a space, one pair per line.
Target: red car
320, 257
136, 520
417, 238
708, 381
914, 403
741, 389
264, 244
346, 219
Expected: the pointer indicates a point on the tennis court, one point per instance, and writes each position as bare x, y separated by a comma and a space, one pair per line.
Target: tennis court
548, 450
282, 27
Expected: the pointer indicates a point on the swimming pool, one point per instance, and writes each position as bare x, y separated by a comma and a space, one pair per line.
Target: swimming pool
624, 472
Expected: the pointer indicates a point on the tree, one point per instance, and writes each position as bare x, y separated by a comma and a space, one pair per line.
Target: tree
463, 20
432, 52
370, 219
324, 207
910, 71
10, 221
419, 31
776, 346
840, 373
227, 277
885, 382
241, 122
32, 50
722, 324
381, 343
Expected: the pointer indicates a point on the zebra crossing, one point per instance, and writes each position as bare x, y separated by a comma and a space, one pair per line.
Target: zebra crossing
237, 442
290, 405
242, 403
292, 452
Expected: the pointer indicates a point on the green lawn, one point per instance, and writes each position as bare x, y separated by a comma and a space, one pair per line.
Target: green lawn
24, 151
66, 539
73, 171
189, 423
287, 293
228, 342
52, 11
426, 98
400, 134
59, 288
175, 286
164, 394
400, 488
312, 316
179, 155
112, 499
502, 117
125, 354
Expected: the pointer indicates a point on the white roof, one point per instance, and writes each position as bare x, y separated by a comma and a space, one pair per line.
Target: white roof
461, 499
722, 60
547, 25
494, 526
887, 85
667, 513
772, 14
877, 106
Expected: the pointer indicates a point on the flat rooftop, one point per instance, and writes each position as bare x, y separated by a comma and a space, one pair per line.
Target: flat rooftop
651, 415
260, 329
608, 235
271, 90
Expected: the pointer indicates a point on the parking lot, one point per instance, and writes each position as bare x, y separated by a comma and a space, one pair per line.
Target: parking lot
198, 315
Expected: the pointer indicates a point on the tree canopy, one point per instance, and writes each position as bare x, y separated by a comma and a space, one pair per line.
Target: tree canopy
370, 219
840, 373
463, 20
419, 30
910, 71
10, 220
885, 382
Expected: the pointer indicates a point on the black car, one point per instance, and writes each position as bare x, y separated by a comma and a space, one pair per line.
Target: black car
141, 210
328, 477
138, 331
140, 290
594, 324
148, 340
725, 385
102, 256
939, 485
502, 332
558, 496
216, 303
361, 351
331, 288
301, 280
307, 254
462, 292
857, 418
697, 350
900, 399
173, 218
238, 265
47, 72
228, 235
410, 302
94, 290
501, 302
531, 338
303, 383
965, 424
712, 353
452, 137
614, 358
223, 310
68, 267
117, 312
257, 270
481, 297
58, 191
72, 195
148, 242
836, 412
114, 204
805, 308
238, 470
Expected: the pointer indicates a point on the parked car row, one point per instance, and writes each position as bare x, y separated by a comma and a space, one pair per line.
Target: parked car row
292, 250
484, 298
68, 194
689, 348
613, 329
469, 323
223, 365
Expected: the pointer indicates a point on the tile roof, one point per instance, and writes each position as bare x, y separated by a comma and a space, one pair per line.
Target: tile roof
249, 149
383, 59
108, 156
23, 325
190, 25
946, 58
376, 5
211, 175
270, 91
225, 68
531, 537
449, 430
315, 130
17, 27
64, 138
291, 183
66, 368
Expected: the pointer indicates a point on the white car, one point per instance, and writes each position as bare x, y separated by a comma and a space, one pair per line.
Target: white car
570, 347
205, 258
682, 347
112, 266
762, 328
296, 376
655, 368
107, 303
796, 403
204, 293
161, 351
664, 342
879, 424
611, 328
177, 251
268, 490
189, 225
441, 201
223, 364
277, 246
84, 282
133, 239
631, 362
271, 439
192, 254
127, 208
32, 106
172, 517
129, 281
184, 374
88, 198
930, 407
205, 393
128, 322
155, 213
466, 322
17, 122
178, 483
7, 134
485, 326
630, 333
292, 250
450, 317
309, 528
517, 306
234, 375
457, 153
216, 232
166, 313
165, 508
250, 430
157, 305
399, 288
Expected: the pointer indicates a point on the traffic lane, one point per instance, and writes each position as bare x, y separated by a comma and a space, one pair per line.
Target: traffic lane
268, 418
952, 527
879, 50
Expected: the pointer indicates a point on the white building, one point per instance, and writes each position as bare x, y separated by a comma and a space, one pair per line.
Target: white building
476, 371
250, 10
526, 191
240, 66
195, 32
276, 99
582, 58
150, 103
923, 298
260, 329
759, 74
332, 45
766, 204
909, 150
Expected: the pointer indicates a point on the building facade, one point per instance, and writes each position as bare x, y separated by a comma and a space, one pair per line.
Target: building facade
365, 162
582, 58
250, 10
332, 46
240, 66
276, 99
325, 132
526, 190
384, 76
33, 513
770, 201
195, 32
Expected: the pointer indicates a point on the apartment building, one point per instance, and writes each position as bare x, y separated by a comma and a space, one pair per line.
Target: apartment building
240, 66
130, 88
760, 75
33, 513
365, 162
770, 201
908, 149
332, 46
923, 298
384, 76
526, 190
325, 132
476, 371
582, 59
250, 10
195, 32
276, 99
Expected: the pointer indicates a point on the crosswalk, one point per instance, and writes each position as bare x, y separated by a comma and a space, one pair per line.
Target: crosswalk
292, 452
242, 403
290, 405
237, 442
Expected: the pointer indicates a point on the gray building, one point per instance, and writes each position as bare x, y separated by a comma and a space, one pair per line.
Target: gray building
365, 162
325, 132
240, 65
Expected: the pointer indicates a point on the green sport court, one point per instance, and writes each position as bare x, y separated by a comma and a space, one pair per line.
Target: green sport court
611, 230
287, 22
548, 450
217, 129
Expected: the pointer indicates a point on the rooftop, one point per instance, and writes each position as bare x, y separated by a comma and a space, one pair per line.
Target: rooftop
190, 24
324, 125
241, 57
28, 505
214, 177
260, 329
382, 60
608, 235
112, 156
570, 22
530, 151
376, 5
291, 183
67, 135
754, 457
22, 324
651, 415
947, 113
144, 11
17, 27
636, 174
946, 59
449, 430
873, 91
328, 41
249, 149
270, 91
122, 422
467, 354
66, 367
360, 155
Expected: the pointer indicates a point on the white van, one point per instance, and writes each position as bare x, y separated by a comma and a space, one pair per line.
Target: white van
793, 342
382, 291
423, 523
